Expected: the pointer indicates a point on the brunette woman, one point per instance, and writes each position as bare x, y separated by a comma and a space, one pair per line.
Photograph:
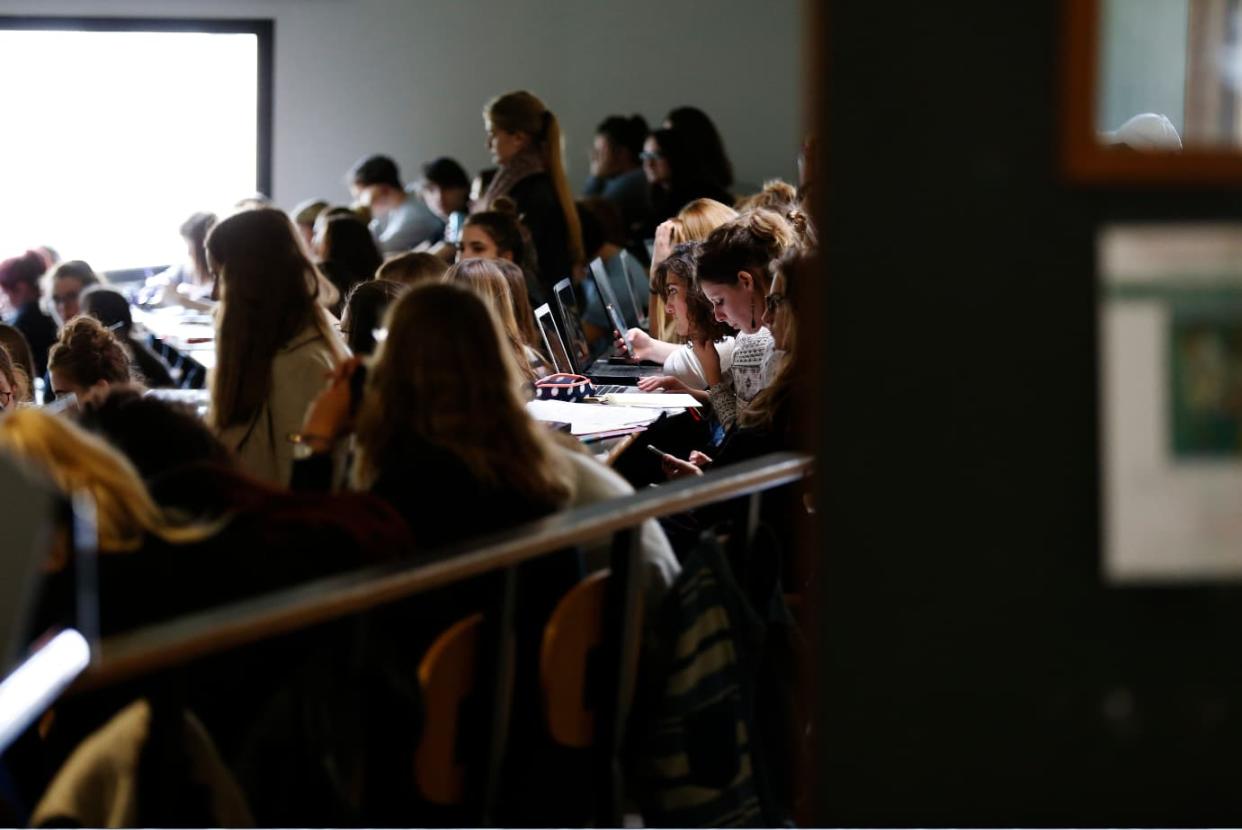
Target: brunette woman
86, 359
274, 343
485, 278
348, 255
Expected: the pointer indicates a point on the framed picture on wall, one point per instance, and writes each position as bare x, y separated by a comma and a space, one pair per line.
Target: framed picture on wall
1152, 92
1171, 402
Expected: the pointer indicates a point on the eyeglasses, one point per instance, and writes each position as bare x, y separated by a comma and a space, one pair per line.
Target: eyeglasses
648, 156
774, 302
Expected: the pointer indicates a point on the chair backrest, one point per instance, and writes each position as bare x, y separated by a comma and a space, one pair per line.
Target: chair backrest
571, 638
447, 677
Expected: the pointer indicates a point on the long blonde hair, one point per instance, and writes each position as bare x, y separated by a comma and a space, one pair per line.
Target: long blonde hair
484, 278
698, 219
77, 461
523, 112
268, 291
445, 376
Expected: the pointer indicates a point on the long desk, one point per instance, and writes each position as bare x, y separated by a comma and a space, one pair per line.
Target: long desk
189, 332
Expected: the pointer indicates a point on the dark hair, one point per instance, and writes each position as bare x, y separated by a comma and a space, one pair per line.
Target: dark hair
508, 232
349, 252
445, 173
699, 311
601, 224
194, 230
88, 353
375, 170
626, 133
749, 243
26, 268
677, 152
78, 270
127, 420
109, 307
706, 147
364, 309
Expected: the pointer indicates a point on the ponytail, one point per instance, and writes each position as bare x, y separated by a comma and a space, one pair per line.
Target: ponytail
553, 150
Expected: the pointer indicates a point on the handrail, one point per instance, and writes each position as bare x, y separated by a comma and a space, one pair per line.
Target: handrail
257, 618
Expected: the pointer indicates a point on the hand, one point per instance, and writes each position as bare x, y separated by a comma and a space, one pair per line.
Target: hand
674, 467
700, 459
662, 383
663, 243
328, 417
639, 339
709, 358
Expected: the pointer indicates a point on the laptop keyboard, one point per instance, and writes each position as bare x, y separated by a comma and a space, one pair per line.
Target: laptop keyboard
611, 389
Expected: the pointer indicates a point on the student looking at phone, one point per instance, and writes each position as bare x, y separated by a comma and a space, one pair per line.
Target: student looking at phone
274, 343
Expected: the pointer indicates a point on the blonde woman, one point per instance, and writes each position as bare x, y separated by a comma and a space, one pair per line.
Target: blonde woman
274, 342
524, 138
485, 278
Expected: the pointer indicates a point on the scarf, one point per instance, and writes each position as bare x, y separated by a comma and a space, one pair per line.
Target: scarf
519, 167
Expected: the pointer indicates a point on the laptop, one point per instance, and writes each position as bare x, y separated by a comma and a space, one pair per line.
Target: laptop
615, 368
561, 357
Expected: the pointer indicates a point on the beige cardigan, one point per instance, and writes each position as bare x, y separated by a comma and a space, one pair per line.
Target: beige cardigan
299, 373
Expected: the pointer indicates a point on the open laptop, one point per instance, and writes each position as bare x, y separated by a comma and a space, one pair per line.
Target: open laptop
614, 369
562, 360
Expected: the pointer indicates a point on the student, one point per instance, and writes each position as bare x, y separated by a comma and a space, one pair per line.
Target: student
68, 281
412, 268
23, 363
704, 140
692, 224
522, 309
304, 216
364, 313
604, 238
188, 283
693, 322
19, 279
485, 279
524, 138
12, 391
274, 343
617, 170
111, 309
675, 176
86, 359
498, 234
398, 222
732, 271
445, 190
348, 255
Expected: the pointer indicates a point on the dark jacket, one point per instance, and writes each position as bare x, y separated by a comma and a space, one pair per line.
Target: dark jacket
40, 331
540, 211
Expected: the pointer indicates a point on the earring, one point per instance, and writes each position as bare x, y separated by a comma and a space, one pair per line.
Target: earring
752, 312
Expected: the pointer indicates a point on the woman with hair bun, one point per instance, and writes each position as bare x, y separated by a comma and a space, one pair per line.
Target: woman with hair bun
524, 138
86, 359
733, 270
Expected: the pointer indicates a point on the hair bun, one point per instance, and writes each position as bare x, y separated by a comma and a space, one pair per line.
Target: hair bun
505, 205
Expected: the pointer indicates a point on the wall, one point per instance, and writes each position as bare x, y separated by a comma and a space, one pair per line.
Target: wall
1143, 60
409, 77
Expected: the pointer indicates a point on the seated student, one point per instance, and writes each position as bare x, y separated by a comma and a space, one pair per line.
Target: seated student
412, 268
499, 234
603, 238
68, 281
398, 222
11, 380
188, 283
445, 190
19, 279
347, 255
23, 364
617, 171
733, 272
484, 278
766, 424
86, 360
111, 309
693, 321
675, 175
692, 224
304, 216
710, 159
521, 303
274, 342
364, 312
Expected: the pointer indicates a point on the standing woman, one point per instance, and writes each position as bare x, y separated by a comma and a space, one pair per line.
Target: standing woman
274, 344
524, 138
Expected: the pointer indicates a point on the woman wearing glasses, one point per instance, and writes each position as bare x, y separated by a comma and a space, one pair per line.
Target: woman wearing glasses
668, 159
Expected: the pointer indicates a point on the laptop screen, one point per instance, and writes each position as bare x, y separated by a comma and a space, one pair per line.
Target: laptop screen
571, 314
552, 340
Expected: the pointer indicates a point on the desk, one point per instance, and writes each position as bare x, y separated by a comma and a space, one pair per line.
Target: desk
192, 333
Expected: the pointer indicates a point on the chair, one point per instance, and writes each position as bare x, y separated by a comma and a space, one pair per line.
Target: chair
447, 677
568, 668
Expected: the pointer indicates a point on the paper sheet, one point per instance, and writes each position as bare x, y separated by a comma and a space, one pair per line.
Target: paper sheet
656, 400
586, 418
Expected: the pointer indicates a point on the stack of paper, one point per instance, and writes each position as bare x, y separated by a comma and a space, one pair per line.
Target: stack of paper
657, 400
587, 419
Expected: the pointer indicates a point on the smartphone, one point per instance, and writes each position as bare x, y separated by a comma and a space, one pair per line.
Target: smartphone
357, 382
618, 323
652, 449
